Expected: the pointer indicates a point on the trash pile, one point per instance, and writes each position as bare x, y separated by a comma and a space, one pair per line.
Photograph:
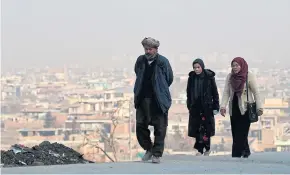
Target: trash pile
45, 153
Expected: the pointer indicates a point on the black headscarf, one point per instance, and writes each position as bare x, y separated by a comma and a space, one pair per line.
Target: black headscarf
200, 62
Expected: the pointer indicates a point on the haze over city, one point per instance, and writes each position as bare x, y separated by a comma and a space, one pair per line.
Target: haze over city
108, 33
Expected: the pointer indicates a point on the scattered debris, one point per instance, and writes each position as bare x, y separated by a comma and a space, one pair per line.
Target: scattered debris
45, 153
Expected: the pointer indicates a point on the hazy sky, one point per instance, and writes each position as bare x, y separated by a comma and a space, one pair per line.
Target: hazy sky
92, 32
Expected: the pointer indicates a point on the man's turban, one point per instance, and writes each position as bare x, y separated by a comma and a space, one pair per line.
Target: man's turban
150, 42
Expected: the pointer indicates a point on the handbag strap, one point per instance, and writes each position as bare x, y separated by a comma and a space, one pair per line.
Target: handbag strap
247, 86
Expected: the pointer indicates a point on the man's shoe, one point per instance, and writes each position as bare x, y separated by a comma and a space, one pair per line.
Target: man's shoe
206, 153
155, 159
147, 156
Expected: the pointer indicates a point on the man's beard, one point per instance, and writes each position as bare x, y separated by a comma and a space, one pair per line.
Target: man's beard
150, 57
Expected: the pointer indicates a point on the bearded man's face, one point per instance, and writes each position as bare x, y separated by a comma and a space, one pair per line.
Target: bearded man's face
150, 52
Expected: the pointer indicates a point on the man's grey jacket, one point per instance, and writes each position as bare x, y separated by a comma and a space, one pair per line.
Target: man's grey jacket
162, 79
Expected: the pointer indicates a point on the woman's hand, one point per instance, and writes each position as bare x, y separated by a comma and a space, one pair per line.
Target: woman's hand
189, 106
260, 112
223, 112
215, 112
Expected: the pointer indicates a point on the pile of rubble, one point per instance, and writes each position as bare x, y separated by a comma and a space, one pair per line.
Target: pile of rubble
45, 153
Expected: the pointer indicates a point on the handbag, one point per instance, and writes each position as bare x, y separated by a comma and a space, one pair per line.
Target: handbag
251, 107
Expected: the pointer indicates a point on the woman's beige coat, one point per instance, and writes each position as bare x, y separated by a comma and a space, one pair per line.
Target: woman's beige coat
254, 94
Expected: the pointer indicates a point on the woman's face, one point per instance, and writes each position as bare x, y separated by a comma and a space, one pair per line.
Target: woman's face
236, 67
197, 68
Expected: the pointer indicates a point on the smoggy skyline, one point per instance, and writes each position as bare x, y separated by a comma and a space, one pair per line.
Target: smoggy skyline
109, 33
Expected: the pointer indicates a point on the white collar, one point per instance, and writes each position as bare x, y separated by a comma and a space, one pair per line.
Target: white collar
150, 62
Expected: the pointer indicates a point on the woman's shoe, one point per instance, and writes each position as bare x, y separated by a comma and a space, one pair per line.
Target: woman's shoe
206, 153
246, 154
198, 154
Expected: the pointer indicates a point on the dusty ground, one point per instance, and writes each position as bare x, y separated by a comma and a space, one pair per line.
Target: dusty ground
262, 163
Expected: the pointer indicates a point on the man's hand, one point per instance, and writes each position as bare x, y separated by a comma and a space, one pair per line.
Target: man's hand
223, 112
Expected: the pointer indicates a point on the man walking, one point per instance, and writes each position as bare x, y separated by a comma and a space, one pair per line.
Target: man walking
152, 98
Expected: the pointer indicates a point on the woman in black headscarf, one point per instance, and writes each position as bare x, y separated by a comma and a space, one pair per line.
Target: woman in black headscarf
203, 104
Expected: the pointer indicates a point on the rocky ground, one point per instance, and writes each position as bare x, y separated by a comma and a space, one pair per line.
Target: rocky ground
45, 153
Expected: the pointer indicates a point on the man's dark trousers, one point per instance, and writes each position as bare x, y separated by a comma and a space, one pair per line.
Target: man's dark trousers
147, 114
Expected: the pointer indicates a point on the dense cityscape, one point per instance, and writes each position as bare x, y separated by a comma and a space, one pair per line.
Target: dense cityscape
92, 111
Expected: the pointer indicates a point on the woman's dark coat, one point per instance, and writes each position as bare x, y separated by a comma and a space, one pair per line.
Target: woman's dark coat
210, 102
